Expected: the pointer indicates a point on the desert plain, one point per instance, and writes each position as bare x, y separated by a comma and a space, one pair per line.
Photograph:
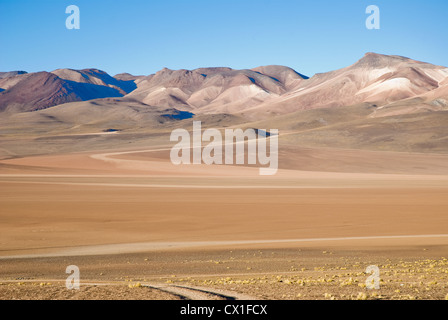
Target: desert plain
139, 227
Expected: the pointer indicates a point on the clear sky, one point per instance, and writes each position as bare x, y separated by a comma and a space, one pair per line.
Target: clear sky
144, 36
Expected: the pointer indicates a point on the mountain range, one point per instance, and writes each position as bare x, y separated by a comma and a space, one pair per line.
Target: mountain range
259, 93
381, 102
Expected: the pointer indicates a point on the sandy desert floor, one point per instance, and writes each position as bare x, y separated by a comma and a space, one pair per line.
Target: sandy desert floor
140, 228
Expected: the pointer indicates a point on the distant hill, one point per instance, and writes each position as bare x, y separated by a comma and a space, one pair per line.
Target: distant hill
22, 92
376, 79
42, 90
10, 74
216, 90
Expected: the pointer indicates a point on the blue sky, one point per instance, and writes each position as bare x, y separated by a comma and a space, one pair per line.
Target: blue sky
144, 36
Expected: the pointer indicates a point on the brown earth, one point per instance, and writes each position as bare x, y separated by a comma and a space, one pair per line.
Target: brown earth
133, 218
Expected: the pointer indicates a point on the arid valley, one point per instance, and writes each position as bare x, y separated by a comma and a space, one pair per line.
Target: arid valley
362, 180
